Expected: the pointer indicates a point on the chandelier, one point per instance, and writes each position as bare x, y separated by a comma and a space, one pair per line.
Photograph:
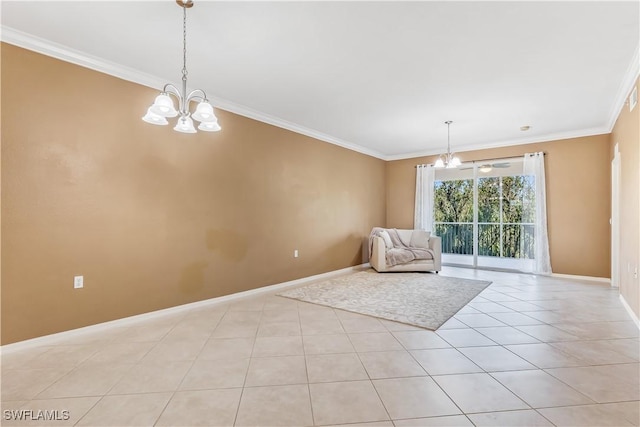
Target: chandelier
448, 160
163, 106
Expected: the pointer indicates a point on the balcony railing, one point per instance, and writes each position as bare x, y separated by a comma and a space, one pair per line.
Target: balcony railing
505, 240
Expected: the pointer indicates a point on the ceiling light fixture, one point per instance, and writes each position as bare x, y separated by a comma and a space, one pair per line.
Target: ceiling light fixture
163, 105
448, 160
486, 168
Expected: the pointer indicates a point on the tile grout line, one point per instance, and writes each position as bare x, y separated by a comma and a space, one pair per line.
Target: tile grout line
306, 368
193, 362
244, 383
436, 382
368, 374
541, 369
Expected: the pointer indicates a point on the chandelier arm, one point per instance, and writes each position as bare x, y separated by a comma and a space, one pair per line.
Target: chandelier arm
172, 90
196, 95
169, 88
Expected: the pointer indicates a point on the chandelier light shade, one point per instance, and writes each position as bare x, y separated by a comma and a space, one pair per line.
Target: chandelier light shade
448, 160
204, 113
154, 119
209, 126
185, 125
164, 107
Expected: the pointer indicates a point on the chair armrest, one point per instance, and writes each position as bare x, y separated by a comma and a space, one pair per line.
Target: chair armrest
377, 258
435, 244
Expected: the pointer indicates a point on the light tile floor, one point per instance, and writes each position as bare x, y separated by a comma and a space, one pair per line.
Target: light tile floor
528, 350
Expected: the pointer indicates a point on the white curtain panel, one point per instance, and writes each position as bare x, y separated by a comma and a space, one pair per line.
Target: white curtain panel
423, 217
534, 166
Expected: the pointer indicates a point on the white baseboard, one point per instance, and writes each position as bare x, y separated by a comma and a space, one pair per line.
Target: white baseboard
558, 275
575, 277
128, 321
631, 313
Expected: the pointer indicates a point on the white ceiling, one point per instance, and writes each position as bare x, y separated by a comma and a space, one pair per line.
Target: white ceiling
379, 77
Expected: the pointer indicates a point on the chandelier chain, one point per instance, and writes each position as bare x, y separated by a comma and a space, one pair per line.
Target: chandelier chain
184, 44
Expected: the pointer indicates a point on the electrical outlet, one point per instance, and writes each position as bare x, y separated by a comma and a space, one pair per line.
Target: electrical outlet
295, 253
78, 282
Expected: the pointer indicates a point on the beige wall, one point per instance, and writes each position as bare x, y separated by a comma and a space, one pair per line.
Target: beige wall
578, 199
153, 218
626, 135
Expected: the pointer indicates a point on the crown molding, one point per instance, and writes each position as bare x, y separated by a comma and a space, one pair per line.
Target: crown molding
627, 83
507, 143
64, 53
275, 121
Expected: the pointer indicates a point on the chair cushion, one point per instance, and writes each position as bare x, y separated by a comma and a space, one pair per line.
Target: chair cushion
387, 239
420, 239
405, 236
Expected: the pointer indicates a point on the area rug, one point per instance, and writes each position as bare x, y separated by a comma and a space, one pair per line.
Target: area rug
419, 299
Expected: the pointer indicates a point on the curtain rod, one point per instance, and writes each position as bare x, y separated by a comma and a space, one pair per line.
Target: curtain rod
487, 160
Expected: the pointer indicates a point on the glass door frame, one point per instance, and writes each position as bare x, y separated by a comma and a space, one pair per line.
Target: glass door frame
476, 226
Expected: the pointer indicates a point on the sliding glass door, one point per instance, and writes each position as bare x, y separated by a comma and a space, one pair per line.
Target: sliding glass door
453, 218
481, 214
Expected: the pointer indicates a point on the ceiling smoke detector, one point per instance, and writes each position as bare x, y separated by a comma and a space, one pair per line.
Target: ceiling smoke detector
525, 128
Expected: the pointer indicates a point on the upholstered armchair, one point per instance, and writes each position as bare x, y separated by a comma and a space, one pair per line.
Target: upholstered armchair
408, 250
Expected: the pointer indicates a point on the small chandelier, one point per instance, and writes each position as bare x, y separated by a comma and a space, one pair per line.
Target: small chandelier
163, 106
448, 160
